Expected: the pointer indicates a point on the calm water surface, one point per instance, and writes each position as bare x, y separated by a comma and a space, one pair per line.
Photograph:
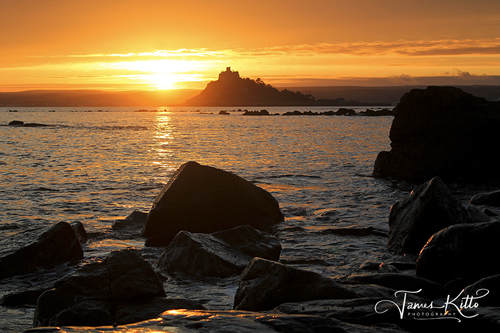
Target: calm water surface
97, 166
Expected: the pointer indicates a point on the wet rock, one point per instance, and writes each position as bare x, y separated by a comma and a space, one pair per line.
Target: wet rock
266, 284
429, 208
387, 268
256, 113
105, 293
485, 291
220, 254
345, 112
430, 289
16, 123
234, 321
80, 232
461, 251
442, 131
30, 250
204, 199
489, 199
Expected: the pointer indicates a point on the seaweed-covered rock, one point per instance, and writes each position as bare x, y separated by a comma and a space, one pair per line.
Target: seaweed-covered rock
205, 199
30, 250
221, 253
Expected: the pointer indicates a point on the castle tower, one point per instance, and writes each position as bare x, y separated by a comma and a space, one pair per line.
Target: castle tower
229, 75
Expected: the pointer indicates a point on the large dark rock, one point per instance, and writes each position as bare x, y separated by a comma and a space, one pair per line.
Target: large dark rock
489, 199
204, 199
266, 284
121, 289
429, 208
466, 251
442, 131
30, 250
219, 254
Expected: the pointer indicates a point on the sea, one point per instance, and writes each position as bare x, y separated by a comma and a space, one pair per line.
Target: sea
98, 165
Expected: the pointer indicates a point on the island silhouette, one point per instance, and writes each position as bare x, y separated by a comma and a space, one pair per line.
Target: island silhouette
233, 90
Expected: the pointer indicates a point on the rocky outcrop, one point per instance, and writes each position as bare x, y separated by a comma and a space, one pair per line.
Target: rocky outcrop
205, 199
442, 131
121, 289
465, 251
30, 250
130, 227
220, 254
429, 208
489, 199
266, 284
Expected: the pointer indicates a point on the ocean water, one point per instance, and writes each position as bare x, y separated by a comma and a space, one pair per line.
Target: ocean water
96, 166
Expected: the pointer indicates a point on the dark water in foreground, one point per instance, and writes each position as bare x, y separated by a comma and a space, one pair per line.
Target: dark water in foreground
96, 166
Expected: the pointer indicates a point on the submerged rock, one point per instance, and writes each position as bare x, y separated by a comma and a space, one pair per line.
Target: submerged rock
121, 289
429, 208
219, 254
30, 250
442, 131
205, 199
461, 251
266, 284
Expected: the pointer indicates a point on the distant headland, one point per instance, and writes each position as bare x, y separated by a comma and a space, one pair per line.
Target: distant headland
233, 90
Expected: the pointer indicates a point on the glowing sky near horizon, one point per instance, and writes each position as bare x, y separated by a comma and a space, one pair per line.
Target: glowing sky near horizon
162, 44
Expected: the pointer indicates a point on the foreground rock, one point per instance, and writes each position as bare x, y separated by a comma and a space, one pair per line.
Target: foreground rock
204, 199
234, 321
220, 254
429, 208
31, 250
442, 131
266, 284
467, 251
121, 289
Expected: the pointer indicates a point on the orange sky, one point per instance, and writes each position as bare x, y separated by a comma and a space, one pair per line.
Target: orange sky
161, 44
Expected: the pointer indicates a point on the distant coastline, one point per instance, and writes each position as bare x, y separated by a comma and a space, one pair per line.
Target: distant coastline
226, 93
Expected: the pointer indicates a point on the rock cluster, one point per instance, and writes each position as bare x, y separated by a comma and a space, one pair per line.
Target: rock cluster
442, 131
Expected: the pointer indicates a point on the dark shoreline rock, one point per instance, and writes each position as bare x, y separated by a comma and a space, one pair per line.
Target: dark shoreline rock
429, 208
122, 289
461, 251
221, 254
204, 199
31, 250
266, 284
442, 131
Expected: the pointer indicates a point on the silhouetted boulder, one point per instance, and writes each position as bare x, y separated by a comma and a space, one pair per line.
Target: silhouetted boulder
205, 199
266, 284
16, 123
29, 250
220, 254
442, 131
121, 289
466, 251
429, 208
345, 112
489, 199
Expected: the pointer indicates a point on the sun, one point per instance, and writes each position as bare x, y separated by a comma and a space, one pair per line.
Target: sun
162, 74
